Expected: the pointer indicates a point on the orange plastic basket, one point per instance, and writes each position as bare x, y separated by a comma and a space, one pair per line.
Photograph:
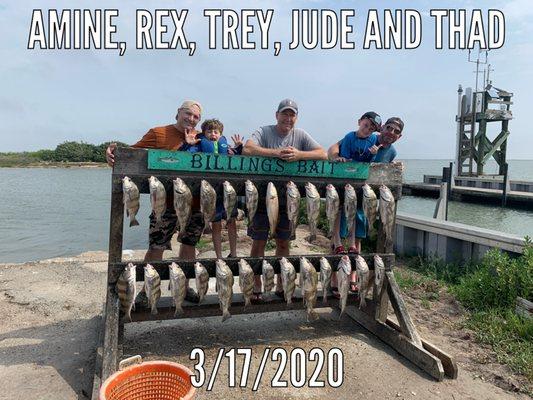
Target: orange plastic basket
154, 380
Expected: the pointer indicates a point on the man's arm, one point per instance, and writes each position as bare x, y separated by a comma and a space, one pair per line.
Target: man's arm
253, 149
316, 154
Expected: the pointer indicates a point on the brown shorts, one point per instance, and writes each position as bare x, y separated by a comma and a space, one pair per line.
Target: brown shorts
161, 233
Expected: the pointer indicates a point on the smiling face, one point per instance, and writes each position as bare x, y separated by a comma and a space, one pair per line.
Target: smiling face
366, 127
286, 120
187, 118
390, 133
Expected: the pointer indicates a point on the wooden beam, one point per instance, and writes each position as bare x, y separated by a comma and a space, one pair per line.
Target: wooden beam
116, 221
134, 164
111, 326
210, 307
400, 309
97, 375
382, 302
417, 355
448, 363
255, 262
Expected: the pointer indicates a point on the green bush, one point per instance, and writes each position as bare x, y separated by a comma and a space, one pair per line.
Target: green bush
74, 151
498, 281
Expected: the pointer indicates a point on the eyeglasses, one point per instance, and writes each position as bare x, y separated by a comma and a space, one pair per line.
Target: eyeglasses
392, 129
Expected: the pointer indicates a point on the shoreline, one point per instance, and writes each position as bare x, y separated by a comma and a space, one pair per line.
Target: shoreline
65, 164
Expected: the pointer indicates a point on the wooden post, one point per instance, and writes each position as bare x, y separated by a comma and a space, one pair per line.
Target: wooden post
505, 169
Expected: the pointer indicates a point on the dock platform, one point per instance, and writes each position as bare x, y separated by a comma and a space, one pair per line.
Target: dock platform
520, 200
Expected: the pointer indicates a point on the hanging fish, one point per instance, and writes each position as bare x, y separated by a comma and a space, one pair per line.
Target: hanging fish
379, 273
246, 281
293, 206
208, 202
202, 280
272, 206
158, 197
131, 199
325, 278
309, 288
225, 287
313, 208
288, 279
332, 206
230, 199
127, 290
387, 212
268, 277
178, 286
350, 207
363, 275
344, 271
252, 197
152, 287
370, 208
182, 203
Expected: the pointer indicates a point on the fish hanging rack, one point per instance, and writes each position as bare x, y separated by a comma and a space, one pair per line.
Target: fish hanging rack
140, 164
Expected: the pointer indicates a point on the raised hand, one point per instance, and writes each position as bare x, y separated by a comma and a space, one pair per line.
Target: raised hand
374, 149
237, 140
190, 137
109, 156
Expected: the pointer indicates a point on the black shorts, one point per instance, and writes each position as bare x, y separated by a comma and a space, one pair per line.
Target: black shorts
161, 233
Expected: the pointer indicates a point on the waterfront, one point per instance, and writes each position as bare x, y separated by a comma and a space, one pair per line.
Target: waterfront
53, 212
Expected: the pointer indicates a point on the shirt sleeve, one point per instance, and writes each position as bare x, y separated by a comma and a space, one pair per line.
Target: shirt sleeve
344, 146
148, 141
257, 137
308, 143
393, 154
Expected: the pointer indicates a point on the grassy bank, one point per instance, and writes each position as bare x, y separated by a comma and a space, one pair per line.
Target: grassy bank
66, 154
488, 291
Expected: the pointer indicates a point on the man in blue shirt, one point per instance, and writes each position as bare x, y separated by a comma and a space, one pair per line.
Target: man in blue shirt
390, 133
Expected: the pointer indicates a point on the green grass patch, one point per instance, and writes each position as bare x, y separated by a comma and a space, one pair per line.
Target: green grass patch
509, 335
488, 289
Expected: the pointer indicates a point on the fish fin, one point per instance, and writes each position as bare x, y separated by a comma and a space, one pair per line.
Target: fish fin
225, 316
134, 222
312, 316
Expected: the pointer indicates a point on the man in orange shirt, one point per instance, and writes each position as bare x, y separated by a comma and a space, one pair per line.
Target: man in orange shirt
172, 137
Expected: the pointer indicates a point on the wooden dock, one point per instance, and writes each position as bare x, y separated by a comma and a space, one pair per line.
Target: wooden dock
520, 200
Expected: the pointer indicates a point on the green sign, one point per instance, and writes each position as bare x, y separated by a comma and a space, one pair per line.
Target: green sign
216, 163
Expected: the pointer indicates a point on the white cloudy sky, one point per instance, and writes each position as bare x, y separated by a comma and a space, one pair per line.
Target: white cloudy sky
47, 97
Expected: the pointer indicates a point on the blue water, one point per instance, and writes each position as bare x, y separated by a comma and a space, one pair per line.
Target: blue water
52, 212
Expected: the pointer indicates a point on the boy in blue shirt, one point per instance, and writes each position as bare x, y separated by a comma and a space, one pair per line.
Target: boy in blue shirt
211, 140
361, 146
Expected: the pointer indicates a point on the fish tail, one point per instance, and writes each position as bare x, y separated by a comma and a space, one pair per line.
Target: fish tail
225, 315
362, 303
134, 222
154, 309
